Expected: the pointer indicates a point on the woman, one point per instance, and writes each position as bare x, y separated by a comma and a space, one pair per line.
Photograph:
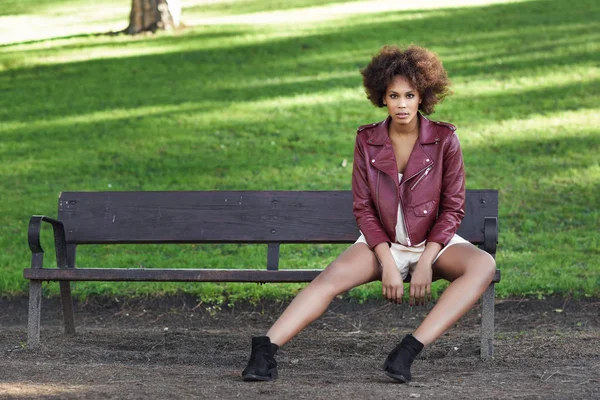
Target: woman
408, 184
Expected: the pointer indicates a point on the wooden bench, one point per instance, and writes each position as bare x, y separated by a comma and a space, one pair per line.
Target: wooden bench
271, 217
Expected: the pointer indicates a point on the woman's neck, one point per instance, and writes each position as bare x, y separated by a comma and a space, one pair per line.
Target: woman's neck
404, 130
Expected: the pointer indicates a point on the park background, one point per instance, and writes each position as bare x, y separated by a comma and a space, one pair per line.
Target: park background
267, 95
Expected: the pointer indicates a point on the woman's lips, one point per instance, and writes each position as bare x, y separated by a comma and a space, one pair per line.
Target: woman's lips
402, 115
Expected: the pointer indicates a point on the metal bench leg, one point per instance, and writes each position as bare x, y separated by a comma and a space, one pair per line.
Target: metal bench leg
487, 322
67, 307
35, 308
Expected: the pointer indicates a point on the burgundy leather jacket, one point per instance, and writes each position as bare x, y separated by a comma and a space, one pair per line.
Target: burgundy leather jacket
432, 190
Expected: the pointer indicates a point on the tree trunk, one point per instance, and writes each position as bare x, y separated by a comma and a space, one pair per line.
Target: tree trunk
153, 15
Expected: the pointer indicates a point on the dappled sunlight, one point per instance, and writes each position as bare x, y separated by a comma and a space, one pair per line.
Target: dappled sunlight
76, 18
559, 76
481, 50
206, 113
309, 99
279, 80
534, 56
30, 390
481, 112
80, 18
101, 116
565, 35
334, 11
68, 50
208, 110
559, 125
584, 178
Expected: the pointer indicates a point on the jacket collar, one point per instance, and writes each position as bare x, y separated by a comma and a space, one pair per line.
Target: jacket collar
384, 158
427, 132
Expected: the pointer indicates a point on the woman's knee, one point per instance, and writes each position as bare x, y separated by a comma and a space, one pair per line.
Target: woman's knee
490, 266
343, 274
483, 265
331, 280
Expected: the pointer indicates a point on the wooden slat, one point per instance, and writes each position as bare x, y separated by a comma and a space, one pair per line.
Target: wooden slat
170, 275
176, 275
215, 217
231, 216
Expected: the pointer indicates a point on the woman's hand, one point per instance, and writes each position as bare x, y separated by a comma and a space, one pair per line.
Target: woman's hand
392, 284
420, 283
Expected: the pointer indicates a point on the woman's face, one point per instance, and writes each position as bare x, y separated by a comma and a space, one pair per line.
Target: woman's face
402, 101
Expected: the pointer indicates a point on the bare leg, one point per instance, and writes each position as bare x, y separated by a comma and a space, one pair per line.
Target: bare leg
355, 266
470, 271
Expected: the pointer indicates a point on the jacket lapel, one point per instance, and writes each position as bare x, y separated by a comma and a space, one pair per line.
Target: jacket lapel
420, 158
383, 158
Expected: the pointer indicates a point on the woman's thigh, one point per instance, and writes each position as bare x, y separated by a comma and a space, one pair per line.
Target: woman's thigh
461, 259
355, 266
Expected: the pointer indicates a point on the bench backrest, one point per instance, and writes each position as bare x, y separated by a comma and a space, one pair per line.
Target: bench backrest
231, 216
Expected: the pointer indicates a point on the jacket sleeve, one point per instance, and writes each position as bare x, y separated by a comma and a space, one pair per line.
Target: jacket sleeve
452, 197
364, 210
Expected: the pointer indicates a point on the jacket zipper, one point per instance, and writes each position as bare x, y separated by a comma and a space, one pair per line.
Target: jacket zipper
420, 178
404, 219
379, 209
377, 199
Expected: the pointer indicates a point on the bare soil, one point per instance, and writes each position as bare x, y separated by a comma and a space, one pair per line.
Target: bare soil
171, 348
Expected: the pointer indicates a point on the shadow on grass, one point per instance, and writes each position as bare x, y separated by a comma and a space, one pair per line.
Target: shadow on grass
163, 39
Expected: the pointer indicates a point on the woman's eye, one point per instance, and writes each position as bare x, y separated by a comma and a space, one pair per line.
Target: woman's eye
410, 96
393, 96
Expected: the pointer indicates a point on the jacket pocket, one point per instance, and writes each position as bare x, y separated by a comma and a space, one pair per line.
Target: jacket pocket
425, 209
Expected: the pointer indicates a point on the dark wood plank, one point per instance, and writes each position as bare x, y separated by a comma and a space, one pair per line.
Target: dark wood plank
217, 217
479, 204
175, 275
170, 275
231, 216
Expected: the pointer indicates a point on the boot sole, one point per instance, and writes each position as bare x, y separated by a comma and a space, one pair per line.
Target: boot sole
398, 377
271, 376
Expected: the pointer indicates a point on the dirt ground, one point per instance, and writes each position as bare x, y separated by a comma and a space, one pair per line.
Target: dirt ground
174, 348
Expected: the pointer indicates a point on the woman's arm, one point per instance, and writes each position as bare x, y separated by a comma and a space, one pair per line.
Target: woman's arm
364, 211
452, 203
452, 197
369, 223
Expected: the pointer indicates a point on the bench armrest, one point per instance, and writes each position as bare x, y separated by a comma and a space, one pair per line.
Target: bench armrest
60, 240
490, 235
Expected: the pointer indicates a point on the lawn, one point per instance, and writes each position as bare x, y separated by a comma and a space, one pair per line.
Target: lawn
231, 104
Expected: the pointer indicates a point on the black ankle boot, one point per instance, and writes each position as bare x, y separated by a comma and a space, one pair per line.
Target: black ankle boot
397, 365
261, 366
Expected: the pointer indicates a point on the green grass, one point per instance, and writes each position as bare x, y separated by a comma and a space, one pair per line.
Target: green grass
236, 107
